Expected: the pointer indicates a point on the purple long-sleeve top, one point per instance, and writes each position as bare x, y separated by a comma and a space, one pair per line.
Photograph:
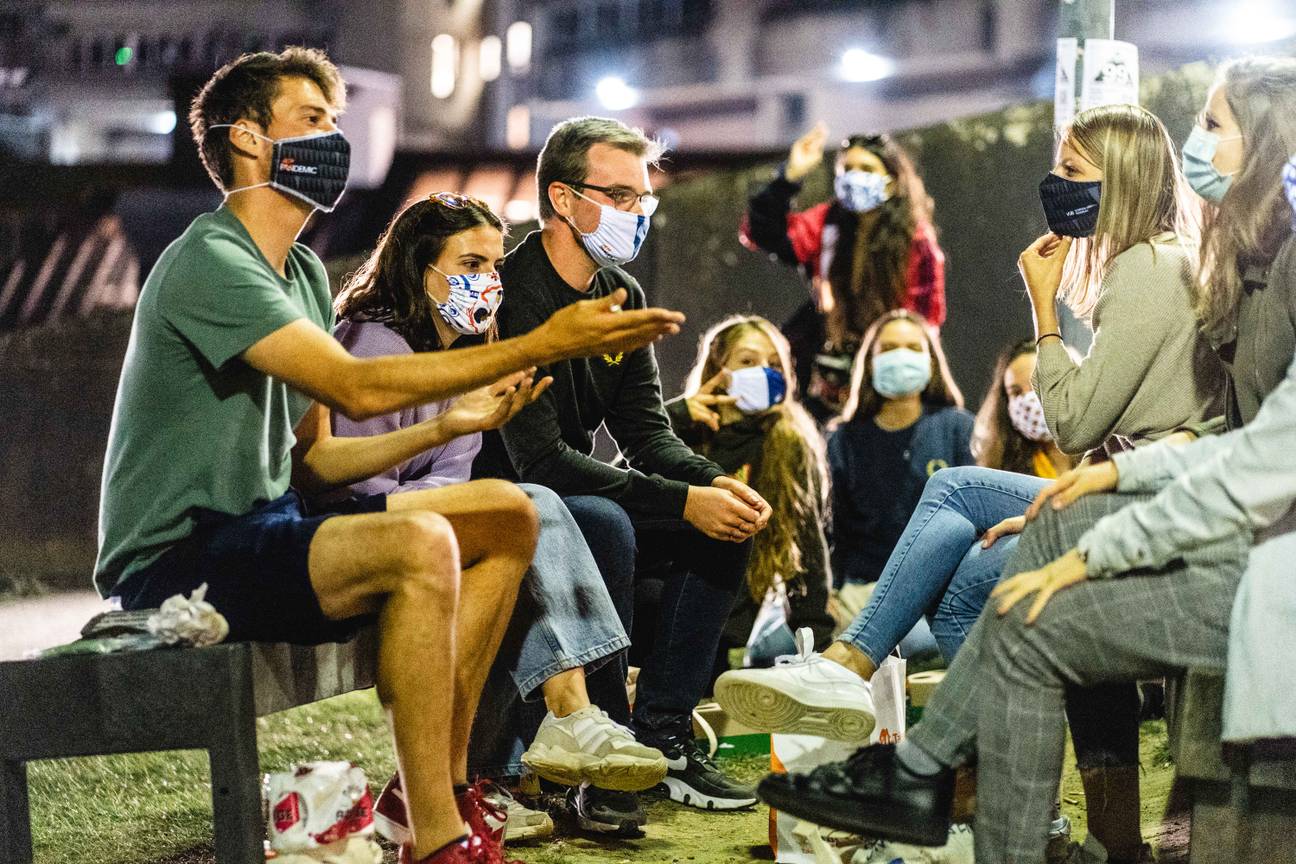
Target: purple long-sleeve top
441, 466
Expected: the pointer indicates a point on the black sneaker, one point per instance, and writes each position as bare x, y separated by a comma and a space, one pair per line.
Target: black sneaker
870, 793
692, 778
604, 811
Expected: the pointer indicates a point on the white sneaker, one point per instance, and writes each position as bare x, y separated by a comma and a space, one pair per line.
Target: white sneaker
587, 746
803, 694
523, 823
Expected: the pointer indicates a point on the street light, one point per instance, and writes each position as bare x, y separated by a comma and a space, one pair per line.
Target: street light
860, 65
1256, 22
615, 94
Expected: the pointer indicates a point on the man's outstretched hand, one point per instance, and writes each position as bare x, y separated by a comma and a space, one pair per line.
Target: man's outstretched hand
589, 328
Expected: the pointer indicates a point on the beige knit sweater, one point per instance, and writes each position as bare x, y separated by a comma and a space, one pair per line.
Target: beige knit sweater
1149, 371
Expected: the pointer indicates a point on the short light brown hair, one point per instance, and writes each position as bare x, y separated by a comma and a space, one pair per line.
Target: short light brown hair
247, 87
565, 155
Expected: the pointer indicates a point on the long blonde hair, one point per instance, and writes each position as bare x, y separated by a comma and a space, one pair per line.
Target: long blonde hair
793, 472
1143, 194
1253, 220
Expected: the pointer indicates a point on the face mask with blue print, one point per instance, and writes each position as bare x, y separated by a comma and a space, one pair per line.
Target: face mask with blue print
1199, 164
474, 299
861, 191
901, 372
618, 237
756, 388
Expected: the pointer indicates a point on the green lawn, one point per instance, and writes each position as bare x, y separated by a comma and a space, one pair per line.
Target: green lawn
155, 807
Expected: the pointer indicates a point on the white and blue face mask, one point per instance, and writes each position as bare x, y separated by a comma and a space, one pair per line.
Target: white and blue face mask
861, 191
901, 372
756, 388
618, 237
1199, 164
474, 299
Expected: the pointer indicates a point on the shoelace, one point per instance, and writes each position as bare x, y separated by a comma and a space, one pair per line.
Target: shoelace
477, 795
805, 650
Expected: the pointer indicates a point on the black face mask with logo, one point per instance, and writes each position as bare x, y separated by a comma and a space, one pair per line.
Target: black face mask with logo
1070, 206
313, 168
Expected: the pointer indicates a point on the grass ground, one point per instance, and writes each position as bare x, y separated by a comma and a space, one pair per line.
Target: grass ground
155, 807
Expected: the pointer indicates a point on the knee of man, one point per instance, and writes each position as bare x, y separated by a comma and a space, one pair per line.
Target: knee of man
518, 521
603, 517
429, 552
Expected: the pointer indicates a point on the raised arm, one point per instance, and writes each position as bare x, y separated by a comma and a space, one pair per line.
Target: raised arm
310, 360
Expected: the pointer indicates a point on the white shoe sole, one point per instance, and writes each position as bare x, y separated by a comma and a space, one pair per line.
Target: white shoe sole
685, 794
398, 834
769, 709
618, 772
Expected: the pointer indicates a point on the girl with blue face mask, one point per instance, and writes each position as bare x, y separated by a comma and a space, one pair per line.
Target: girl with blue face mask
741, 411
903, 422
869, 249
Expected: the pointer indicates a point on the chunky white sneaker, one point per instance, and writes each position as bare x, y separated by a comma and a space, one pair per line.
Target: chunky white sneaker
804, 694
587, 746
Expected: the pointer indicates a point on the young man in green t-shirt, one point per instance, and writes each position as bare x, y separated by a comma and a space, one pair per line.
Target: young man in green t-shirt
224, 400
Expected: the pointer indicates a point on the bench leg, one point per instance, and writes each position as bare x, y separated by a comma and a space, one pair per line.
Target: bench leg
15, 814
236, 795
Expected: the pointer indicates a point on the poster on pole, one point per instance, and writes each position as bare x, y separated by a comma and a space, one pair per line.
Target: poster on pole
1111, 73
1064, 89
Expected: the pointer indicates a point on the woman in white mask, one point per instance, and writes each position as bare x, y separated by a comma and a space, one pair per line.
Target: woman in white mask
431, 282
741, 412
870, 249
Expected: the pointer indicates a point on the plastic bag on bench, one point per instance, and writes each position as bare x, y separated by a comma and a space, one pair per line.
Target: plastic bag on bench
322, 813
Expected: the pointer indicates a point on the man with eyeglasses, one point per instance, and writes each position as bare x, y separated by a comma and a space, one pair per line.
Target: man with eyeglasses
692, 524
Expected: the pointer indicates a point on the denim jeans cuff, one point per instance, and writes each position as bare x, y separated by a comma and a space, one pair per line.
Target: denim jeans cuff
529, 685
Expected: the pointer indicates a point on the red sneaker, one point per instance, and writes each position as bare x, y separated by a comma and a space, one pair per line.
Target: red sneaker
391, 819
486, 819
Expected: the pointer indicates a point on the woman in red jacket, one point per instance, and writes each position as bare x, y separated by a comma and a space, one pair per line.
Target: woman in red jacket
872, 248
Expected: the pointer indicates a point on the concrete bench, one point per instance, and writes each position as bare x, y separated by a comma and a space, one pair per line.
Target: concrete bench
1243, 798
183, 699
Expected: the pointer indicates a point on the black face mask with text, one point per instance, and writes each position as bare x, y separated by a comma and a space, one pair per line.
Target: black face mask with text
313, 167
1070, 206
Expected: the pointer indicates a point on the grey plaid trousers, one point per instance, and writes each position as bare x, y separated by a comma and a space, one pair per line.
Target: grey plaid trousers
1003, 697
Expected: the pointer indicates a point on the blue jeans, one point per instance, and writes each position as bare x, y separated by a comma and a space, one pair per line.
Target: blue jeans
564, 619
938, 568
689, 582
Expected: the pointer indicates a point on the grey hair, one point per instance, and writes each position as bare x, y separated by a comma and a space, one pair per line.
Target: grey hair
564, 157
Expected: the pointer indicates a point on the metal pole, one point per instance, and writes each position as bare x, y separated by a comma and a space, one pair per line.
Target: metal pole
1087, 19
1081, 20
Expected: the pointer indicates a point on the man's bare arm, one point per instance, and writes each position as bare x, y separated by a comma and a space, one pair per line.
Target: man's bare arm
310, 360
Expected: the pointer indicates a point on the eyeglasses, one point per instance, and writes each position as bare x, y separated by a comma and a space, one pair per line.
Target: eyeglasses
622, 198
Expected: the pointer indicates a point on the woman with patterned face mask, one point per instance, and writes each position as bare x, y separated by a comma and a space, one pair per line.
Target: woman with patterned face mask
739, 410
1011, 433
870, 249
430, 283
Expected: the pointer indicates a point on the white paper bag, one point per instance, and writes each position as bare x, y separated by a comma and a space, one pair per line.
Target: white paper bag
798, 754
888, 686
